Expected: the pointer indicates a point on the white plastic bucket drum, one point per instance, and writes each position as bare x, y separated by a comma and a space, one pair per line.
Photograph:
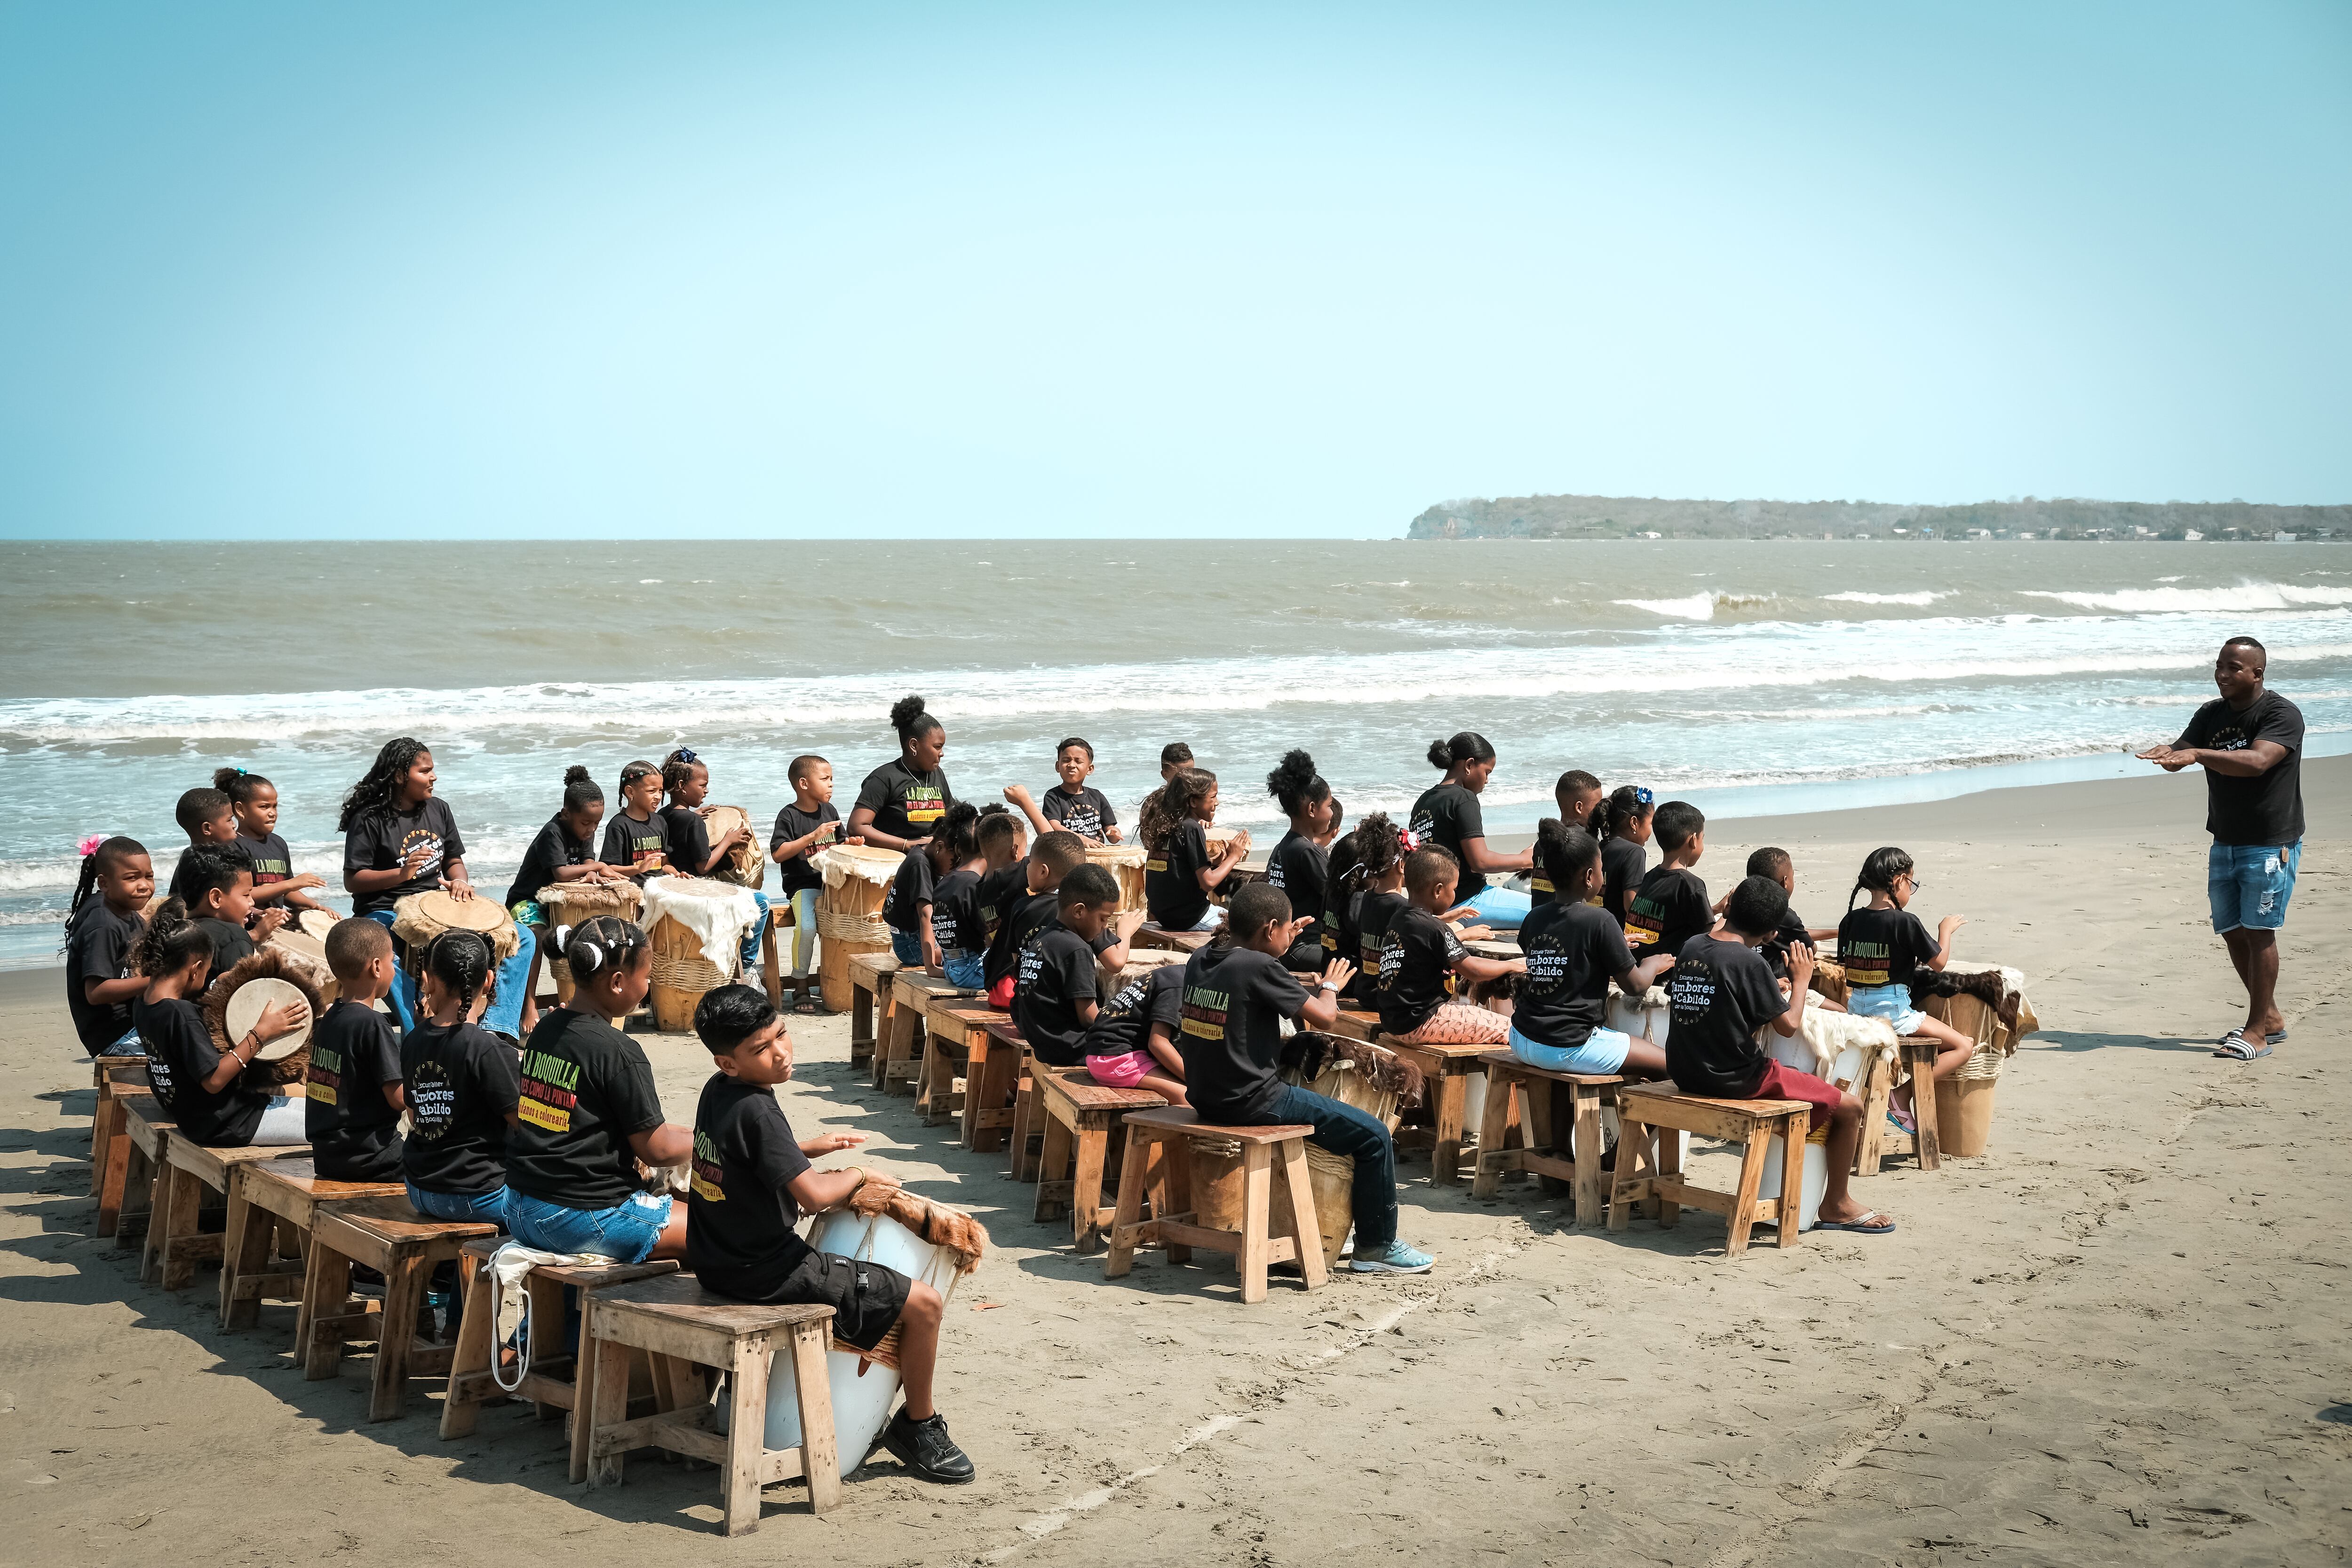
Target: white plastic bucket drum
1848, 1042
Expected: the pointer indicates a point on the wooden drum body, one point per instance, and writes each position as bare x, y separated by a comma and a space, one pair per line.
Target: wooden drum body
1123, 861
569, 903
683, 966
849, 912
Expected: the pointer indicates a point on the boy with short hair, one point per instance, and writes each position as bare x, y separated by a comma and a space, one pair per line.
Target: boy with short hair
1775, 864
209, 820
1054, 990
1023, 906
1576, 793
808, 824
749, 1183
1174, 756
1421, 952
353, 1095
222, 880
1072, 803
1721, 994
1670, 906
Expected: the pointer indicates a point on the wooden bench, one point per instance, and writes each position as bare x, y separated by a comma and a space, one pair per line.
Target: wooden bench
991, 1081
1174, 941
271, 1201
1649, 1170
1160, 1156
402, 1245
898, 1063
950, 1024
1080, 1116
175, 1243
110, 1150
674, 1320
1548, 1103
147, 1127
111, 1077
1446, 1072
869, 1001
1881, 1140
554, 1380
1356, 1025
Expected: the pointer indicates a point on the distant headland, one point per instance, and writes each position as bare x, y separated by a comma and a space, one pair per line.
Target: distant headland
1648, 516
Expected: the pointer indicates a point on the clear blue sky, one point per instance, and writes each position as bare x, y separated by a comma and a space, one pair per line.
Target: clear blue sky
571, 270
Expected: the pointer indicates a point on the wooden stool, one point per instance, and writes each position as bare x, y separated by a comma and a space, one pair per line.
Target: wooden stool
899, 1061
1881, 1139
174, 1244
949, 1026
402, 1245
869, 1001
1446, 1073
673, 1319
1080, 1117
1028, 1141
1364, 1026
110, 1150
1553, 1102
992, 1078
1159, 1155
553, 1380
1750, 1123
269, 1201
147, 1127
1173, 941
110, 1077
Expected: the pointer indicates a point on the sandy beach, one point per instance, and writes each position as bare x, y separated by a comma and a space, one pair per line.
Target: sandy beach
2119, 1336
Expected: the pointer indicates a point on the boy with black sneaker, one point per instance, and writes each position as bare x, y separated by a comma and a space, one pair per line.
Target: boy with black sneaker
751, 1181
1670, 906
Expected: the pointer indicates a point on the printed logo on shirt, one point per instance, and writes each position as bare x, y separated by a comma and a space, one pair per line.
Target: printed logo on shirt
432, 1103
924, 803
1645, 922
1547, 965
159, 1075
267, 868
1387, 960
645, 844
325, 1077
943, 929
1867, 962
1691, 991
548, 1085
1204, 1012
1423, 826
1155, 864
1542, 884
1128, 1000
423, 839
705, 1176
1032, 965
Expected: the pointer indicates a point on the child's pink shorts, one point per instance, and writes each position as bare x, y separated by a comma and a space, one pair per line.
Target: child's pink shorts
1119, 1072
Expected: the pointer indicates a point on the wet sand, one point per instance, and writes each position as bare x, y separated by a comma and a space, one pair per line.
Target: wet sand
2119, 1336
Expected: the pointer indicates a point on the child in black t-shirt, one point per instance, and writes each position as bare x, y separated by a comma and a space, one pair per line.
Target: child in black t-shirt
637, 839
222, 884
103, 925
1181, 873
1670, 906
1055, 992
194, 1080
209, 820
808, 824
750, 1183
1579, 795
351, 1095
563, 850
1026, 895
1884, 946
1071, 805
958, 932
1721, 994
253, 800
1573, 951
1300, 864
1378, 850
462, 1089
1422, 957
1623, 823
1776, 865
1131, 1044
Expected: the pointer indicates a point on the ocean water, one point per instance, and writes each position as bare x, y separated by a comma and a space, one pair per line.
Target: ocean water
1748, 677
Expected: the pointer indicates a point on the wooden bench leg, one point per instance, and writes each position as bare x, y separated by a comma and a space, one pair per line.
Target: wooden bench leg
610, 1406
326, 1287
1168, 1181
472, 1353
1445, 1152
1086, 1184
987, 1088
1257, 1209
1632, 1160
747, 1432
159, 1214
771, 971
906, 1023
248, 1250
404, 1295
105, 1127
885, 1031
137, 1205
176, 1252
1306, 1233
1492, 1157
819, 1458
112, 1177
861, 1025
1929, 1141
1588, 1138
1127, 1228
1794, 1132
1869, 1149
1054, 1172
1542, 1128
1743, 1200
1669, 1166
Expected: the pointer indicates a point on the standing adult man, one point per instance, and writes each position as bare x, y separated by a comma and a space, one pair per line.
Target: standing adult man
2249, 740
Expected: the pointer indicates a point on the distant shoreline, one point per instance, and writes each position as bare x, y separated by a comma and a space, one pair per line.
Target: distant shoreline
1653, 517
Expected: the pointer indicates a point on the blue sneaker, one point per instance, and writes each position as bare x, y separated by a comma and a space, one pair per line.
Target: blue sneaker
1397, 1258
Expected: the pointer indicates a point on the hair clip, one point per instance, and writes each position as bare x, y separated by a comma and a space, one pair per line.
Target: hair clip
240, 773
686, 755
89, 846
1409, 839
1642, 794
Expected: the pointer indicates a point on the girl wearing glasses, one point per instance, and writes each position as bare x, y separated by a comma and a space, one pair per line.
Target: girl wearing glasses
1884, 946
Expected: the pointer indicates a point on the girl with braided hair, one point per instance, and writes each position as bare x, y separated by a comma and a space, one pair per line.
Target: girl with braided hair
1180, 873
462, 1089
103, 923
196, 1081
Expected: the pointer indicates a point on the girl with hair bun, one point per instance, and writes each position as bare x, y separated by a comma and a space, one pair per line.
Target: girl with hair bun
1300, 864
462, 1091
564, 850
901, 800
1573, 951
103, 925
1448, 816
1621, 824
253, 800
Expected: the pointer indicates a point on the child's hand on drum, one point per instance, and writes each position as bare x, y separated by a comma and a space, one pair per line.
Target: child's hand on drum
267, 922
279, 1019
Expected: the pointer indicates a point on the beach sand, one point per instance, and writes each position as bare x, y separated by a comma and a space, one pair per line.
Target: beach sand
2119, 1336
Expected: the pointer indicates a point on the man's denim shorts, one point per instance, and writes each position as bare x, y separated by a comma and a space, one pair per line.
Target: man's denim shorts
2248, 885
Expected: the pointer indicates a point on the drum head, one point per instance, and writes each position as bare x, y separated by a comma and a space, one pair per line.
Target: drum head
698, 887
301, 943
244, 1010
475, 915
718, 821
316, 924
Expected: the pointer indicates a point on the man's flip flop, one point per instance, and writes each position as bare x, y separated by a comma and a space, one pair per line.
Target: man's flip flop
1869, 1223
2235, 1046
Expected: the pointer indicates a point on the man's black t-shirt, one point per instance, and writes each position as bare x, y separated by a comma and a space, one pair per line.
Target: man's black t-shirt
98, 947
2264, 810
793, 822
1445, 816
231, 945
636, 846
741, 1235
180, 1057
1624, 863
1573, 951
689, 838
1172, 895
1721, 994
381, 840
553, 846
1299, 867
1884, 947
905, 804
462, 1081
1231, 1033
355, 1131
1086, 814
586, 1090
909, 891
956, 923
272, 860
1416, 966
1056, 972
1124, 1024
1666, 910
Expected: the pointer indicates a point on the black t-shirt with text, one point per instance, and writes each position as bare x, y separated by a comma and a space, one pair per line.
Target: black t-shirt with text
1416, 969
1444, 816
1002, 891
272, 860
381, 840
741, 1239
586, 1090
1086, 814
1172, 895
637, 846
1056, 973
180, 1056
1376, 914
1300, 867
98, 947
956, 923
1884, 947
552, 847
1666, 910
2264, 810
1231, 1033
462, 1081
1123, 1027
353, 1129
792, 823
909, 891
905, 804
1721, 994
1624, 863
1573, 951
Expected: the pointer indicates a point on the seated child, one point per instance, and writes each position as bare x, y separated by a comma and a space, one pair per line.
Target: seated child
563, 850
207, 818
1054, 988
1884, 946
1670, 906
1777, 865
193, 1079
1236, 994
1025, 906
1379, 872
752, 1180
1180, 873
807, 825
637, 839
1131, 1044
693, 852
958, 932
1721, 995
352, 1096
907, 904
102, 927
1574, 950
1577, 792
1422, 957
1301, 863
461, 1087
223, 885
1623, 823
253, 801
588, 1112
1343, 893
1071, 803
1174, 756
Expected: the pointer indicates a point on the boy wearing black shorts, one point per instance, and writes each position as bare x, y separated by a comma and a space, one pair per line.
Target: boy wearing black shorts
749, 1183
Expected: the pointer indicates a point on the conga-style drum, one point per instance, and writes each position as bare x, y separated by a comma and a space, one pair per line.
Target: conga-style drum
1123, 861
315, 923
1140, 963
311, 953
417, 919
746, 865
695, 927
849, 912
569, 903
234, 1004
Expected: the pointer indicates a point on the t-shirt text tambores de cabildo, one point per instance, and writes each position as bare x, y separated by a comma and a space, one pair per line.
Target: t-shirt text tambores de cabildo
956, 923
1376, 913
1721, 994
1172, 894
1573, 950
740, 1240
1054, 974
1085, 812
353, 1129
1445, 816
384, 839
462, 1084
586, 1090
2263, 810
1230, 1033
905, 804
1884, 947
1416, 969
1666, 910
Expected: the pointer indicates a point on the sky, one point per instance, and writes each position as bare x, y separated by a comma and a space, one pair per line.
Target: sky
698, 270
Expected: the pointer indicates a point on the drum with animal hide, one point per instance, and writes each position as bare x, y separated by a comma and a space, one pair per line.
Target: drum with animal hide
849, 912
235, 1001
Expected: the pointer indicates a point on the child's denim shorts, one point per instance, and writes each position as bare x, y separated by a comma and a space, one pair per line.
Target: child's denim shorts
1603, 1051
907, 947
964, 971
490, 1205
624, 1233
1892, 1002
